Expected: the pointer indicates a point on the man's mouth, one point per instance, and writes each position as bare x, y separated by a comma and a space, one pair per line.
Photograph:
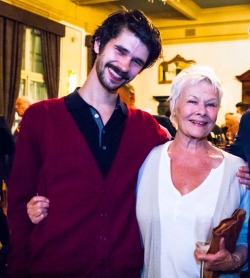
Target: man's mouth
117, 73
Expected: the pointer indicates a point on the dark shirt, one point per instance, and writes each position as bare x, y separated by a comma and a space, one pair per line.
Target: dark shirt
103, 142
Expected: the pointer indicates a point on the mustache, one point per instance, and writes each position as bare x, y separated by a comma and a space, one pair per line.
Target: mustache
123, 74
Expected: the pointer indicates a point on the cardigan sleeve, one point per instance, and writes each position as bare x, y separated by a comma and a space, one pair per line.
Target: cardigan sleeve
22, 187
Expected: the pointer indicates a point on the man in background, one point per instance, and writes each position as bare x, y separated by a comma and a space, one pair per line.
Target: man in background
242, 107
6, 152
127, 95
21, 105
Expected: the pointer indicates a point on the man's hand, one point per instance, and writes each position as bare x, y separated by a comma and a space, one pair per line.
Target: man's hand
244, 175
37, 209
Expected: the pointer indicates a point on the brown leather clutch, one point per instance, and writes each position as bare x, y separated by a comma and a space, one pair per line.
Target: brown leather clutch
229, 228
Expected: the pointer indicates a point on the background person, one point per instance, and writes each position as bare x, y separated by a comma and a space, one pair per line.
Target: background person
242, 107
185, 179
22, 103
6, 153
230, 127
4, 242
241, 148
84, 156
127, 95
7, 147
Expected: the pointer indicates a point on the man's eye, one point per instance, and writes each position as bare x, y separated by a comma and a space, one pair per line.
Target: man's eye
121, 51
139, 63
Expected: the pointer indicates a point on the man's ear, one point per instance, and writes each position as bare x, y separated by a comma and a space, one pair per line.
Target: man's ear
97, 46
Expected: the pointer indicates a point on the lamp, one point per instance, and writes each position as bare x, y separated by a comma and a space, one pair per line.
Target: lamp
164, 1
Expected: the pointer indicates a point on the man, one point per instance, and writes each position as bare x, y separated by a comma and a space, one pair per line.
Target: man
127, 95
21, 105
6, 150
84, 156
4, 241
242, 107
241, 148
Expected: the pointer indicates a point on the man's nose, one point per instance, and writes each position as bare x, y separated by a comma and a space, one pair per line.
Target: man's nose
125, 64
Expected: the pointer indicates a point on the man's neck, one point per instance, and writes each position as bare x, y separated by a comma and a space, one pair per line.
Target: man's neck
103, 101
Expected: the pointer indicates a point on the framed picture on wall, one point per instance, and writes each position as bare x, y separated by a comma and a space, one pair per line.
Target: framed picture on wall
167, 70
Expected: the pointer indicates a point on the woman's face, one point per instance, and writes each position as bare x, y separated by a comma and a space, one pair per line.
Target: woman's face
196, 110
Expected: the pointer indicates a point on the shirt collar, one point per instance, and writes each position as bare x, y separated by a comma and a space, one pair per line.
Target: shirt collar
73, 101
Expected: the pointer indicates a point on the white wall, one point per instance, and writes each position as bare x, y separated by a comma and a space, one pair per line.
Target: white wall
228, 59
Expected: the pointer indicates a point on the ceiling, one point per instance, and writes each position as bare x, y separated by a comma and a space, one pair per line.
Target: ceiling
157, 9
205, 17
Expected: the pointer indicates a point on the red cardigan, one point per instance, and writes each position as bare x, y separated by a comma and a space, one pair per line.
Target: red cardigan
91, 229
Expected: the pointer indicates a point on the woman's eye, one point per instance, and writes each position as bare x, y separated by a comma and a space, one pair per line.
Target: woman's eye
212, 105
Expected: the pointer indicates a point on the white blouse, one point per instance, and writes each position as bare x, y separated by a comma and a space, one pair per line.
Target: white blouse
178, 215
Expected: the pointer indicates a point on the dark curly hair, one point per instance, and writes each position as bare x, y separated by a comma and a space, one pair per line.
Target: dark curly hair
136, 22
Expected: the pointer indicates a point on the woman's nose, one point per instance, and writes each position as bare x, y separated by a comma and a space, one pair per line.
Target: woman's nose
201, 109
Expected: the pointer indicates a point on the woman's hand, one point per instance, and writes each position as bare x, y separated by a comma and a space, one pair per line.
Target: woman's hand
37, 209
223, 260
244, 175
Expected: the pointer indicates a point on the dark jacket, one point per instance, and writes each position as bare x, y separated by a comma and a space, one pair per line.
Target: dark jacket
165, 122
5, 241
7, 147
241, 148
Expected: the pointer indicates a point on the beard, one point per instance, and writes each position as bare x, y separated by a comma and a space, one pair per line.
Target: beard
110, 85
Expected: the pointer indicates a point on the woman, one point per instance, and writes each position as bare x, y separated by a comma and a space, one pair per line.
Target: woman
187, 178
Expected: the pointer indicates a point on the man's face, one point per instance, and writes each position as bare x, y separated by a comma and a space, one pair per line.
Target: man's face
239, 111
20, 106
121, 60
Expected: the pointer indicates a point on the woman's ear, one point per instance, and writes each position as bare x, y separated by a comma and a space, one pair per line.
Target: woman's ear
97, 46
